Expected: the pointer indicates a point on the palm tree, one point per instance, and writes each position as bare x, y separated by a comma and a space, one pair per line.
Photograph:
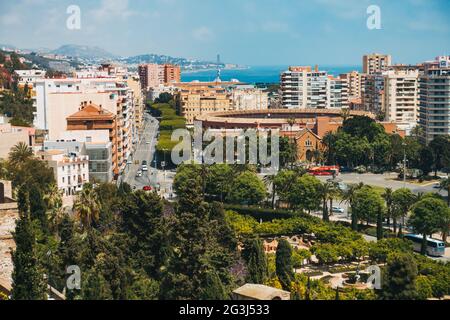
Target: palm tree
20, 153
87, 206
335, 191
327, 193
269, 180
387, 196
53, 199
445, 227
445, 185
349, 197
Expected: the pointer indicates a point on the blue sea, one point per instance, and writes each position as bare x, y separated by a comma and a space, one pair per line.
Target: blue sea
257, 74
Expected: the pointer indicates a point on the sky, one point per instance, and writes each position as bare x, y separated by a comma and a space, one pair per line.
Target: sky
248, 32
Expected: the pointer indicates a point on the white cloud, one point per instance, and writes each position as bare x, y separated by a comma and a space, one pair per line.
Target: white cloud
203, 34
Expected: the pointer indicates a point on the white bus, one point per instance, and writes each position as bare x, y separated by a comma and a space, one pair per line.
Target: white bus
435, 248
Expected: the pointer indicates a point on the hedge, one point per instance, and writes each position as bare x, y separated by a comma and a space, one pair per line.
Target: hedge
263, 214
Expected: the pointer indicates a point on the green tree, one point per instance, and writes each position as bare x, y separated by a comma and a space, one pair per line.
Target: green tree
87, 207
19, 154
367, 204
387, 196
327, 192
218, 181
399, 278
38, 207
440, 147
212, 288
284, 268
143, 222
427, 216
269, 180
28, 276
424, 288
445, 185
402, 200
247, 189
304, 193
349, 196
255, 259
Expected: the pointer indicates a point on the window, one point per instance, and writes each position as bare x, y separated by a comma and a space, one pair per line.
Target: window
308, 143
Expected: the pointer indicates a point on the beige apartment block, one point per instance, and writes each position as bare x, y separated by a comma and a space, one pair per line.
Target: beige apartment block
11, 136
139, 102
198, 101
401, 97
376, 62
354, 84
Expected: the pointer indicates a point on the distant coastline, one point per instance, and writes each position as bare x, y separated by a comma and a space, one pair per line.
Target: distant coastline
254, 74
189, 71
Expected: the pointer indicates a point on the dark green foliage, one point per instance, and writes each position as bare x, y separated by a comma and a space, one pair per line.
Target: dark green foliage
146, 230
38, 208
28, 277
399, 277
255, 259
284, 268
427, 218
200, 257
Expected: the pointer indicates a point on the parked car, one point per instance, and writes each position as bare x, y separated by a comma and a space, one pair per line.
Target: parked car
338, 210
147, 188
144, 168
130, 161
144, 163
139, 174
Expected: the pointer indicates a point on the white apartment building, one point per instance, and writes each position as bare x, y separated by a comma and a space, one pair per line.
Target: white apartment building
303, 87
29, 76
338, 93
57, 99
434, 99
71, 171
248, 97
401, 97
93, 143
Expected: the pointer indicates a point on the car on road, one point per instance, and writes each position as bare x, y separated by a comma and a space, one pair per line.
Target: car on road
144, 162
139, 174
148, 142
144, 168
147, 188
338, 210
437, 186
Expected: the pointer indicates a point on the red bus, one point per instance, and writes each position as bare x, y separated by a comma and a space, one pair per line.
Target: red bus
324, 171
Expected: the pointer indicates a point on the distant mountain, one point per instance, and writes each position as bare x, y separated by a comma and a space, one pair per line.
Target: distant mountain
83, 52
161, 59
80, 54
7, 46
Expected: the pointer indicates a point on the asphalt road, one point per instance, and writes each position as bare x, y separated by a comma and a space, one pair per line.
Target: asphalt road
161, 180
144, 152
387, 180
